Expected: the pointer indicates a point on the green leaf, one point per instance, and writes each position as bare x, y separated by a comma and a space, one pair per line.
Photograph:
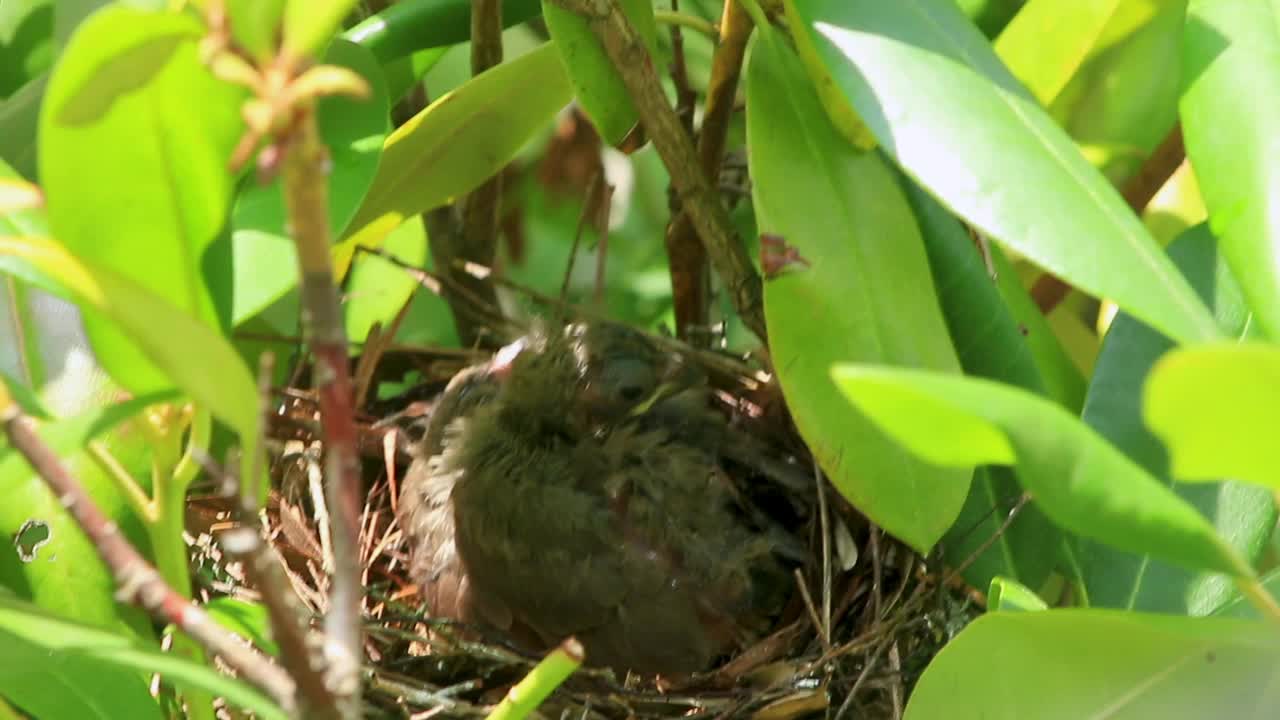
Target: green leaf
989, 344
26, 42
1047, 42
936, 97
1115, 102
1243, 515
376, 288
65, 574
1078, 479
1215, 407
864, 294
134, 140
596, 82
245, 619
1072, 664
1230, 109
309, 25
264, 260
64, 660
255, 25
408, 26
460, 140
1010, 595
194, 355
19, 116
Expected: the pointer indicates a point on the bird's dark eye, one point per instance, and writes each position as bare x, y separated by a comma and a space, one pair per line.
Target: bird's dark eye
631, 393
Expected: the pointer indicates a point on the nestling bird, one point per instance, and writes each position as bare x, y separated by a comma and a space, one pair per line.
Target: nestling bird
553, 495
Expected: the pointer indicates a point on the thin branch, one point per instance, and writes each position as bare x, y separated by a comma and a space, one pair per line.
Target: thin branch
263, 566
478, 241
688, 258
698, 196
306, 201
137, 580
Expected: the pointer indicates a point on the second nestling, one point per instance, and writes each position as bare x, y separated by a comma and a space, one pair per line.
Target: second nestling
572, 486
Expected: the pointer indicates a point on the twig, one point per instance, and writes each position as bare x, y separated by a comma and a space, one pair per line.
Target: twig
977, 553
137, 581
302, 658
823, 526
306, 201
813, 611
597, 179
687, 257
1049, 290
698, 196
478, 242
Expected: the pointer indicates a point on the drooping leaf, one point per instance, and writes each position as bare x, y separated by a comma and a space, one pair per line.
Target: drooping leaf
596, 82
61, 664
943, 106
1078, 479
135, 134
1230, 112
989, 344
458, 141
1243, 515
26, 42
1006, 595
863, 293
1062, 664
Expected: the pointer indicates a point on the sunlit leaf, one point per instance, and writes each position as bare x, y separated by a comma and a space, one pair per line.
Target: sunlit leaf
1078, 479
1230, 117
863, 293
460, 140
943, 106
1070, 664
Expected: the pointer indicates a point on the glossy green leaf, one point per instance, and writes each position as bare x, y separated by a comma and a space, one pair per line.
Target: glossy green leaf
929, 86
461, 139
989, 344
596, 82
1010, 595
65, 574
864, 294
1216, 408
376, 288
1071, 664
408, 26
244, 618
1048, 40
134, 140
1078, 479
1230, 112
1243, 515
309, 25
264, 261
198, 359
26, 42
62, 659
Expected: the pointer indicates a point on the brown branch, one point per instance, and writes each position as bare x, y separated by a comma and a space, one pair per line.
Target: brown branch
303, 659
688, 258
306, 201
138, 581
698, 196
478, 240
1138, 191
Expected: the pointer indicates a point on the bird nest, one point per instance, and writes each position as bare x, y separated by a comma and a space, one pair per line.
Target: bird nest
866, 613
